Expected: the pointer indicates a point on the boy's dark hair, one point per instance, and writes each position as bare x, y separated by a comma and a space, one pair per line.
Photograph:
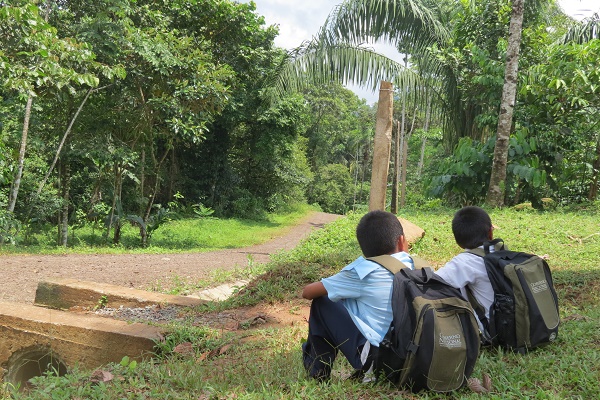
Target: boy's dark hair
378, 233
471, 227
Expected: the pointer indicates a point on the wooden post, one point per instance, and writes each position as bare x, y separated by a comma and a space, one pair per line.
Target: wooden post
382, 144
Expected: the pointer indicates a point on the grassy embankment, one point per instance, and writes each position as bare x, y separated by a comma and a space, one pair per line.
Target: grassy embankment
266, 364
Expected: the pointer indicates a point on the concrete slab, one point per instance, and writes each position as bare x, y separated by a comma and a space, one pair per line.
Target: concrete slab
221, 292
412, 232
65, 293
33, 337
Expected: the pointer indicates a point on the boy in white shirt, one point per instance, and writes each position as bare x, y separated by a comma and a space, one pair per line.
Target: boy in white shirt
471, 226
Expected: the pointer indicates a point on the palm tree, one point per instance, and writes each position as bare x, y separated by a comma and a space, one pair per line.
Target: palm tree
339, 53
422, 29
588, 29
340, 50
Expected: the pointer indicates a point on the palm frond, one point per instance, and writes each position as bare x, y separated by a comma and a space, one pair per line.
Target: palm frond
315, 63
406, 24
588, 29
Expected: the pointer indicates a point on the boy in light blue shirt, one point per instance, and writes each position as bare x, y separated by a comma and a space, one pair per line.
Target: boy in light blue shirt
351, 310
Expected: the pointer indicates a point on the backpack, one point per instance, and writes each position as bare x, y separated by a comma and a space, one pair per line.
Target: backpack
433, 340
524, 313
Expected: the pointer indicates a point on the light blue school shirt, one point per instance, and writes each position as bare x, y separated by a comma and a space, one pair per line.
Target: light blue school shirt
365, 289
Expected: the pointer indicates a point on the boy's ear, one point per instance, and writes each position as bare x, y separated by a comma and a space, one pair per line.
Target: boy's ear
402, 244
491, 233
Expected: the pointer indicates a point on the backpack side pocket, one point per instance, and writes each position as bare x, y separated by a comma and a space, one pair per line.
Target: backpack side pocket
534, 287
502, 320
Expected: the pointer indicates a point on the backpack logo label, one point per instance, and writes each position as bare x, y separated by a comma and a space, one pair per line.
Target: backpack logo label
450, 341
540, 286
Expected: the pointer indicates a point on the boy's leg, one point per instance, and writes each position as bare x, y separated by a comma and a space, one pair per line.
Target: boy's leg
330, 329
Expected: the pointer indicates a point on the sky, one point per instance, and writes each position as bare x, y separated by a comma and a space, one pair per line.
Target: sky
300, 20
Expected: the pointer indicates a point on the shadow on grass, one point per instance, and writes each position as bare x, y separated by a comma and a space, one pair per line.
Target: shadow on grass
581, 288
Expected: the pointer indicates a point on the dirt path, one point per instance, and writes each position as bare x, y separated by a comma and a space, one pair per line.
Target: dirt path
21, 274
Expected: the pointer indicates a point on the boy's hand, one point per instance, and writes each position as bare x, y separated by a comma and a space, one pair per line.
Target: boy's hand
314, 290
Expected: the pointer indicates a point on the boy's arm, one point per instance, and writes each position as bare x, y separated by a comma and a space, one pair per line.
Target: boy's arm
314, 290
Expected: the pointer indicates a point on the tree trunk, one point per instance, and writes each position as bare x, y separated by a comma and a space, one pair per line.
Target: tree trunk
496, 189
144, 236
381, 147
172, 174
64, 218
21, 161
399, 151
365, 165
143, 171
405, 140
356, 168
62, 143
116, 197
395, 184
424, 140
593, 193
152, 195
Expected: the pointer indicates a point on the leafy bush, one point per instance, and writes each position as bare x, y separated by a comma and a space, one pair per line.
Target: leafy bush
332, 189
9, 226
464, 177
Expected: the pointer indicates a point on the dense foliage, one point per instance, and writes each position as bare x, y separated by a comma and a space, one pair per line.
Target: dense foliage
119, 112
456, 56
137, 109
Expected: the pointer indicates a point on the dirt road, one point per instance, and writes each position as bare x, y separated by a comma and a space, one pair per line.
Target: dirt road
21, 274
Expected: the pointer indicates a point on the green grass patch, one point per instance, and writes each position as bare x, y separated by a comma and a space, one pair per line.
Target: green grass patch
266, 364
175, 236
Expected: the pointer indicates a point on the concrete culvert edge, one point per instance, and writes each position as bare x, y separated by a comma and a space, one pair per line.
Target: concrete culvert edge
30, 362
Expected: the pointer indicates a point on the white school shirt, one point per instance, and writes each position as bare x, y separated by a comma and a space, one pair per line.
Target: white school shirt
467, 269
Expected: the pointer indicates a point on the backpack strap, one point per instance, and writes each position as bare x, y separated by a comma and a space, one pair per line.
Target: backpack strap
480, 311
394, 265
478, 251
497, 244
388, 262
419, 263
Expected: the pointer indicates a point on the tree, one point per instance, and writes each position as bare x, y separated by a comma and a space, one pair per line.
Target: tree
332, 189
339, 53
446, 43
172, 91
560, 100
37, 60
495, 196
336, 120
239, 39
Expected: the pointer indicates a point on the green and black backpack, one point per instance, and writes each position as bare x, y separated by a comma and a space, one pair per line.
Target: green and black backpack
524, 313
433, 341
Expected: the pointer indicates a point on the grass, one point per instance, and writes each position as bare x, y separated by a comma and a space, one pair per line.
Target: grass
175, 236
264, 363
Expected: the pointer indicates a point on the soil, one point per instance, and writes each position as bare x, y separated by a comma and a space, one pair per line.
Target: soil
21, 273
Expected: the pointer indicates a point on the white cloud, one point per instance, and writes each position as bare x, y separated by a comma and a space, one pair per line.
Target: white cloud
298, 20
580, 9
